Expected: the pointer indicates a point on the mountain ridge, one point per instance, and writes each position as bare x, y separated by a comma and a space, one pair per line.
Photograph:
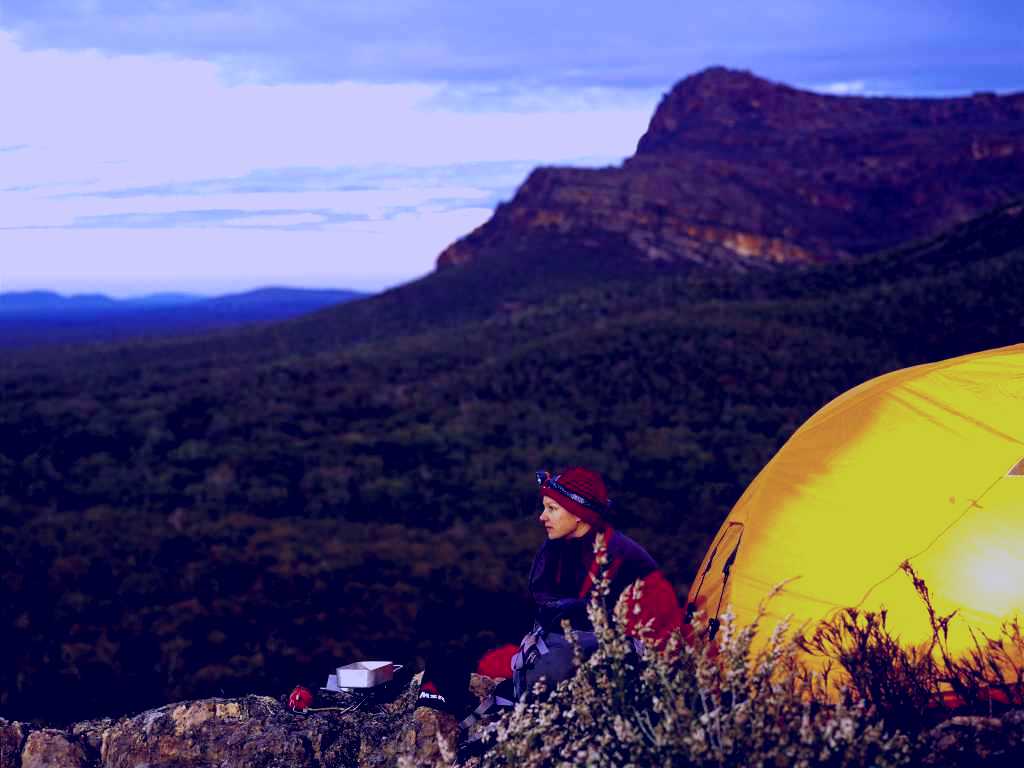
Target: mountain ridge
743, 173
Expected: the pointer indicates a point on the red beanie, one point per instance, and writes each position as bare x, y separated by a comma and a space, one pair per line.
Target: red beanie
581, 491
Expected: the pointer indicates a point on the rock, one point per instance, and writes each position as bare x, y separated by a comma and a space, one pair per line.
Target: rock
12, 737
481, 686
431, 739
969, 741
255, 731
380, 729
1013, 725
420, 737
90, 734
381, 744
364, 730
50, 748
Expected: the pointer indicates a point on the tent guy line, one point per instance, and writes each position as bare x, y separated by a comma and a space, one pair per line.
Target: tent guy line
972, 504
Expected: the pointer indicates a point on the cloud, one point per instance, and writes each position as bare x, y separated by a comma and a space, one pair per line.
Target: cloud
128, 153
286, 220
845, 88
507, 97
531, 43
122, 122
135, 261
282, 220
211, 209
487, 175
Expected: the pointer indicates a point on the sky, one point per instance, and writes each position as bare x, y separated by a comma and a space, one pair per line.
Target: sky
215, 147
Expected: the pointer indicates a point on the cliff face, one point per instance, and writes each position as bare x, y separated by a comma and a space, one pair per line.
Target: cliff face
741, 172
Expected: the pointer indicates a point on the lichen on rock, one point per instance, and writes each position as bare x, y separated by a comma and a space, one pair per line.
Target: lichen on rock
51, 748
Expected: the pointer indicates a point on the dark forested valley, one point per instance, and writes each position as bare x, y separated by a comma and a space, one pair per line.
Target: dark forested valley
239, 513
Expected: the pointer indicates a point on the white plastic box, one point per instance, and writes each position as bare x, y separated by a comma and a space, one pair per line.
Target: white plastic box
362, 674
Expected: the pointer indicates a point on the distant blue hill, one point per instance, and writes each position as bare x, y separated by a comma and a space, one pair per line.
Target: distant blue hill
47, 301
34, 302
35, 318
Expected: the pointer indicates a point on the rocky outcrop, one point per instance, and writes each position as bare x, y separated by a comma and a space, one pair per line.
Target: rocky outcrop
738, 171
250, 732
254, 731
260, 732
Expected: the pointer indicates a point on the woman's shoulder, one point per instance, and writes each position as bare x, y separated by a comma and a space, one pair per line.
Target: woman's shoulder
624, 548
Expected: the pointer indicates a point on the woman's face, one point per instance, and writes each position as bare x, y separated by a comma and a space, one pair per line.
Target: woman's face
560, 522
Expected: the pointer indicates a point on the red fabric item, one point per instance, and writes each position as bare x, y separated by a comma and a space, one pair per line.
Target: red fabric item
657, 601
497, 662
587, 484
301, 698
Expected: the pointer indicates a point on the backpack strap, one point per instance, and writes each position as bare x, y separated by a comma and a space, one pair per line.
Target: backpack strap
489, 705
533, 639
473, 744
531, 646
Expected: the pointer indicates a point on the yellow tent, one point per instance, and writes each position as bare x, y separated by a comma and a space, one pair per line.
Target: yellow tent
924, 465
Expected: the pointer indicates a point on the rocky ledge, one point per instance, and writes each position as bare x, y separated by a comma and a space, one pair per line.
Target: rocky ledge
261, 732
250, 731
247, 732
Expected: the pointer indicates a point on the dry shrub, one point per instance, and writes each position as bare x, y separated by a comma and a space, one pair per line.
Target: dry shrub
694, 704
699, 703
913, 686
896, 681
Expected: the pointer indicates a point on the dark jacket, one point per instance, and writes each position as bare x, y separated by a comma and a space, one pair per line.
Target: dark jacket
563, 572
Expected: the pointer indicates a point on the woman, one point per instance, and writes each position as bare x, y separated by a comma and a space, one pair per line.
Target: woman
575, 510
575, 513
563, 573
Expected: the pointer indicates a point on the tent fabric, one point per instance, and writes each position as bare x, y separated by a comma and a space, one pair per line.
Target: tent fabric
925, 465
